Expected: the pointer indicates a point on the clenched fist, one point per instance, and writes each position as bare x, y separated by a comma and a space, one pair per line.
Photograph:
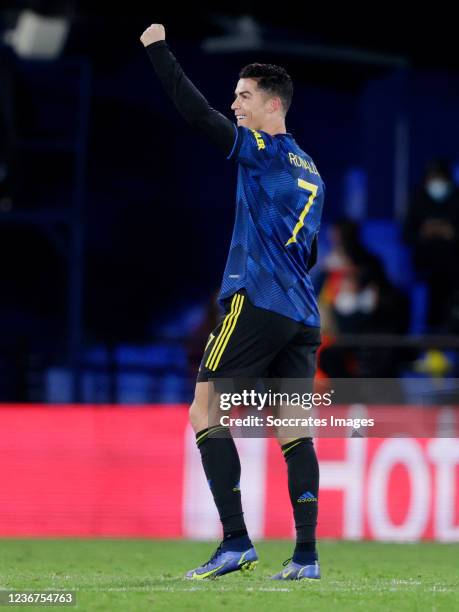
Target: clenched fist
152, 34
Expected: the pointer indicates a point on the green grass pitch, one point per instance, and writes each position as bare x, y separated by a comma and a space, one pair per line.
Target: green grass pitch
126, 574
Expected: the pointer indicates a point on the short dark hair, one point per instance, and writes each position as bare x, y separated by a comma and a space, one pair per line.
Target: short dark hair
273, 79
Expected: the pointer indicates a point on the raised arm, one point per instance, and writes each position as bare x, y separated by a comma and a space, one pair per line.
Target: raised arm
188, 100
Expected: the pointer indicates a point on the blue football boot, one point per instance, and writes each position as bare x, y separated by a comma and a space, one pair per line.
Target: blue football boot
223, 562
295, 571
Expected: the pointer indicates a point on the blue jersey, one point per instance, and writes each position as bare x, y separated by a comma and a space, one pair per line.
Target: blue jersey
279, 204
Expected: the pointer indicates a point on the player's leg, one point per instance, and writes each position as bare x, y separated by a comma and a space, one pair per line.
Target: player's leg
303, 486
298, 361
199, 409
219, 454
221, 465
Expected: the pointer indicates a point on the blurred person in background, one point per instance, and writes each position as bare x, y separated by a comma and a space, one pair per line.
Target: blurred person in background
432, 230
358, 298
347, 255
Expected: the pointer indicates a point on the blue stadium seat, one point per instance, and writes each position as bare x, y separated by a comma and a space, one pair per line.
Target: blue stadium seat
383, 237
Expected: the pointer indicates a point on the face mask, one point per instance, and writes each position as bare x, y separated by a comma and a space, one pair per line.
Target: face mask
438, 189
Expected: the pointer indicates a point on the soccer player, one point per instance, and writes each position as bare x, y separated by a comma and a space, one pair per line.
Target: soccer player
271, 324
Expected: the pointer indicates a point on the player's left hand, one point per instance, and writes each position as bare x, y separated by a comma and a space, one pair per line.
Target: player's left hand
153, 34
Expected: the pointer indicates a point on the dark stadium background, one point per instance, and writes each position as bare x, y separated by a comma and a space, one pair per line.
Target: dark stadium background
115, 234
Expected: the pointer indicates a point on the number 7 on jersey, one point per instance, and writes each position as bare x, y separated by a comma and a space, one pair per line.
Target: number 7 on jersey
313, 189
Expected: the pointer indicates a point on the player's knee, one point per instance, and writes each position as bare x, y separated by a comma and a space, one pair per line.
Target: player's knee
192, 413
198, 415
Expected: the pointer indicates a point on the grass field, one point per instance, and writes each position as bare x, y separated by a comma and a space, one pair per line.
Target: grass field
115, 574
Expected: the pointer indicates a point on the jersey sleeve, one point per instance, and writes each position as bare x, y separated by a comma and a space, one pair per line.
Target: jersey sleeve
253, 148
188, 100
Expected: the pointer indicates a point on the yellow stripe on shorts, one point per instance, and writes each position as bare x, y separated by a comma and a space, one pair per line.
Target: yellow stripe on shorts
227, 335
229, 324
222, 331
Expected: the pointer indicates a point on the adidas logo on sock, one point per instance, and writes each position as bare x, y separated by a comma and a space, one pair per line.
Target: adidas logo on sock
306, 497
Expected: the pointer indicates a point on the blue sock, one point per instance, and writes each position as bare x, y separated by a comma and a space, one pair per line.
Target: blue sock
238, 543
304, 557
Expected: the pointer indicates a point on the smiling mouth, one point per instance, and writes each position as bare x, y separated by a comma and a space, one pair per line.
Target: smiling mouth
241, 117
